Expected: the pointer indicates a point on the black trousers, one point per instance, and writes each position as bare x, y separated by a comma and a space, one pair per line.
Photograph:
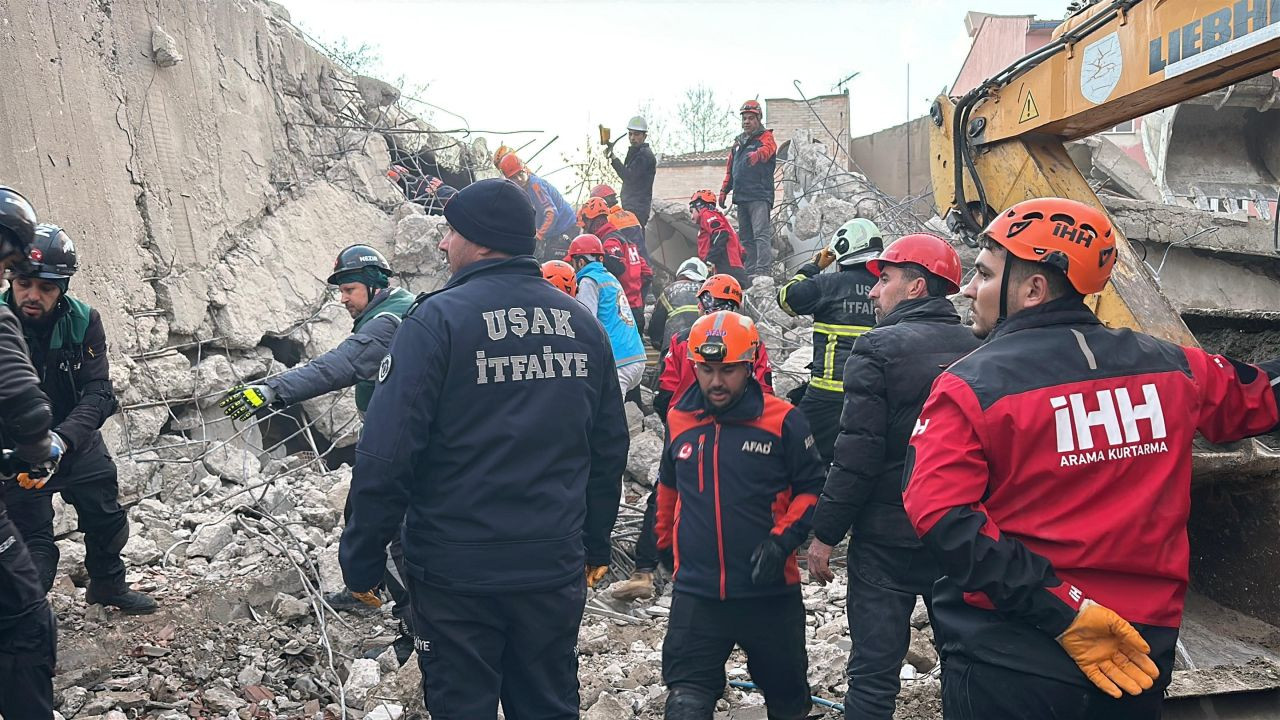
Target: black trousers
393, 578
978, 691
822, 410
517, 648
702, 632
87, 483
27, 634
883, 584
638, 314
647, 540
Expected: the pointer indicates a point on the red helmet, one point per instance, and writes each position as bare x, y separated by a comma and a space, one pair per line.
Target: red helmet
751, 106
1075, 238
510, 165
723, 336
604, 192
703, 196
500, 153
560, 274
585, 245
928, 251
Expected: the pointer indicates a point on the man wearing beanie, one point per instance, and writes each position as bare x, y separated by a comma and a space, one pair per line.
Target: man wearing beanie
496, 435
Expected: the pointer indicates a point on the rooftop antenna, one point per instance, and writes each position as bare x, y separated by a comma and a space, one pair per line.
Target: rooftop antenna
842, 85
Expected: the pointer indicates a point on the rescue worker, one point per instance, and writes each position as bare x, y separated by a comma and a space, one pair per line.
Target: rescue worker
737, 485
637, 170
841, 311
428, 191
68, 347
503, 529
560, 274
362, 276
28, 636
749, 175
622, 257
718, 243
886, 381
1050, 472
502, 151
556, 219
601, 293
677, 305
624, 220
677, 374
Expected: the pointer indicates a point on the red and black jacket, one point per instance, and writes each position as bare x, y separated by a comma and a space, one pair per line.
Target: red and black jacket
1053, 464
718, 242
628, 265
728, 482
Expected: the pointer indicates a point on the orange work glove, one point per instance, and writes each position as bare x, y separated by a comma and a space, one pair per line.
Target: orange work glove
369, 598
595, 573
1109, 651
823, 258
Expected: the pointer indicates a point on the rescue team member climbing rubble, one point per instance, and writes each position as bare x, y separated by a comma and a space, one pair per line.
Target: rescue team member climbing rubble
841, 308
504, 522
555, 218
738, 481
68, 346
719, 292
362, 276
1050, 472
28, 637
886, 381
718, 243
749, 175
601, 293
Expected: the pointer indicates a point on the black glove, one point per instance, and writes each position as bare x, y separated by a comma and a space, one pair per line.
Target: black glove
667, 559
767, 562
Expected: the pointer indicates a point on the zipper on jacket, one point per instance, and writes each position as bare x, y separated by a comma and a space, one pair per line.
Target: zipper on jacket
715, 484
702, 485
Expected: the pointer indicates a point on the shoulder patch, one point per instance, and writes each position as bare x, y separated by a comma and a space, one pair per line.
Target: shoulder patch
384, 368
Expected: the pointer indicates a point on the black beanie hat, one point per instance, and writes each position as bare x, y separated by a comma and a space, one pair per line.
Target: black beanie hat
494, 213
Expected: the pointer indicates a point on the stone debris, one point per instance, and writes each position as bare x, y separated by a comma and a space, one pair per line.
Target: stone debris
164, 49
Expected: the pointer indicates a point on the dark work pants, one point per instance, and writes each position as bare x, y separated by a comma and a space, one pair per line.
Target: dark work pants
393, 577
87, 483
520, 648
647, 540
702, 632
883, 584
755, 232
822, 410
978, 691
27, 633
638, 314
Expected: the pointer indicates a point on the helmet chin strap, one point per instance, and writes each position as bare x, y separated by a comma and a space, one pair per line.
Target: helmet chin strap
1004, 290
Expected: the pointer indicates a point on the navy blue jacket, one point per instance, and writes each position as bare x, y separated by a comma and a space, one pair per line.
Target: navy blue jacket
496, 434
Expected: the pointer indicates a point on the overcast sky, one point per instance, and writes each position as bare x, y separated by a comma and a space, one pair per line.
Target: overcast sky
563, 66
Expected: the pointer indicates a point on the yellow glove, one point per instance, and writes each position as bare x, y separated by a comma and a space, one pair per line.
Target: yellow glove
595, 573
824, 258
369, 598
1109, 651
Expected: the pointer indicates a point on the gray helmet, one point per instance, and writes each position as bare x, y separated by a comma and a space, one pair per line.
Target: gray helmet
17, 223
638, 124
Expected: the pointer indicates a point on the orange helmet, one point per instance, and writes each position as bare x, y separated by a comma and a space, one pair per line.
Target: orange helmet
751, 106
500, 153
510, 165
719, 292
928, 251
1066, 234
585, 245
703, 196
591, 209
560, 274
725, 337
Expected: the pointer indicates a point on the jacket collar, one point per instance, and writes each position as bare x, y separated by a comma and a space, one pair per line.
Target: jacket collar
517, 265
379, 297
748, 407
923, 309
1063, 311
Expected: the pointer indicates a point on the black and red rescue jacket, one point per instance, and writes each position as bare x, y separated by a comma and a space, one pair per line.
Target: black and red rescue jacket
1053, 464
728, 482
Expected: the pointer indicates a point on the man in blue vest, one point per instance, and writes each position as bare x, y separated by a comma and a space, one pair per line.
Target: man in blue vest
362, 275
495, 443
68, 348
601, 293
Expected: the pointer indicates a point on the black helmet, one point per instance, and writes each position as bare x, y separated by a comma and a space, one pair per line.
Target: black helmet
352, 261
17, 222
52, 255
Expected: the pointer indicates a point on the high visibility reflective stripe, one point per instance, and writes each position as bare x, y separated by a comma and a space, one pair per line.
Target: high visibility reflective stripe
782, 294
825, 384
828, 380
672, 312
841, 330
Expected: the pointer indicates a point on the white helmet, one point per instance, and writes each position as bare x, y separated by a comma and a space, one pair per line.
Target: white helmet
694, 269
857, 241
638, 124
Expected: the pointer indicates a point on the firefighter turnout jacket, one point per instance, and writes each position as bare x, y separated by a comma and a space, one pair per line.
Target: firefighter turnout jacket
841, 310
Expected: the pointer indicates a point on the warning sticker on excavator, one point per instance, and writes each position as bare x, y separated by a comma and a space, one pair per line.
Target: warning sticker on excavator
1029, 109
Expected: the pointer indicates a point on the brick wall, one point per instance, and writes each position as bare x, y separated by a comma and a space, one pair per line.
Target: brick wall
680, 181
789, 118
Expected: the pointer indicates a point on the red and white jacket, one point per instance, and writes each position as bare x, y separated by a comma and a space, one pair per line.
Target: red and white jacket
1053, 464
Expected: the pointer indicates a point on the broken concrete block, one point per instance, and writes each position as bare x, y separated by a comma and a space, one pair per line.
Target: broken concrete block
140, 551
364, 676
210, 540
231, 462
921, 652
376, 93
164, 49
646, 449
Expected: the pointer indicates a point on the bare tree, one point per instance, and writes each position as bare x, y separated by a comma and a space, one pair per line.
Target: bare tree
704, 123
590, 168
